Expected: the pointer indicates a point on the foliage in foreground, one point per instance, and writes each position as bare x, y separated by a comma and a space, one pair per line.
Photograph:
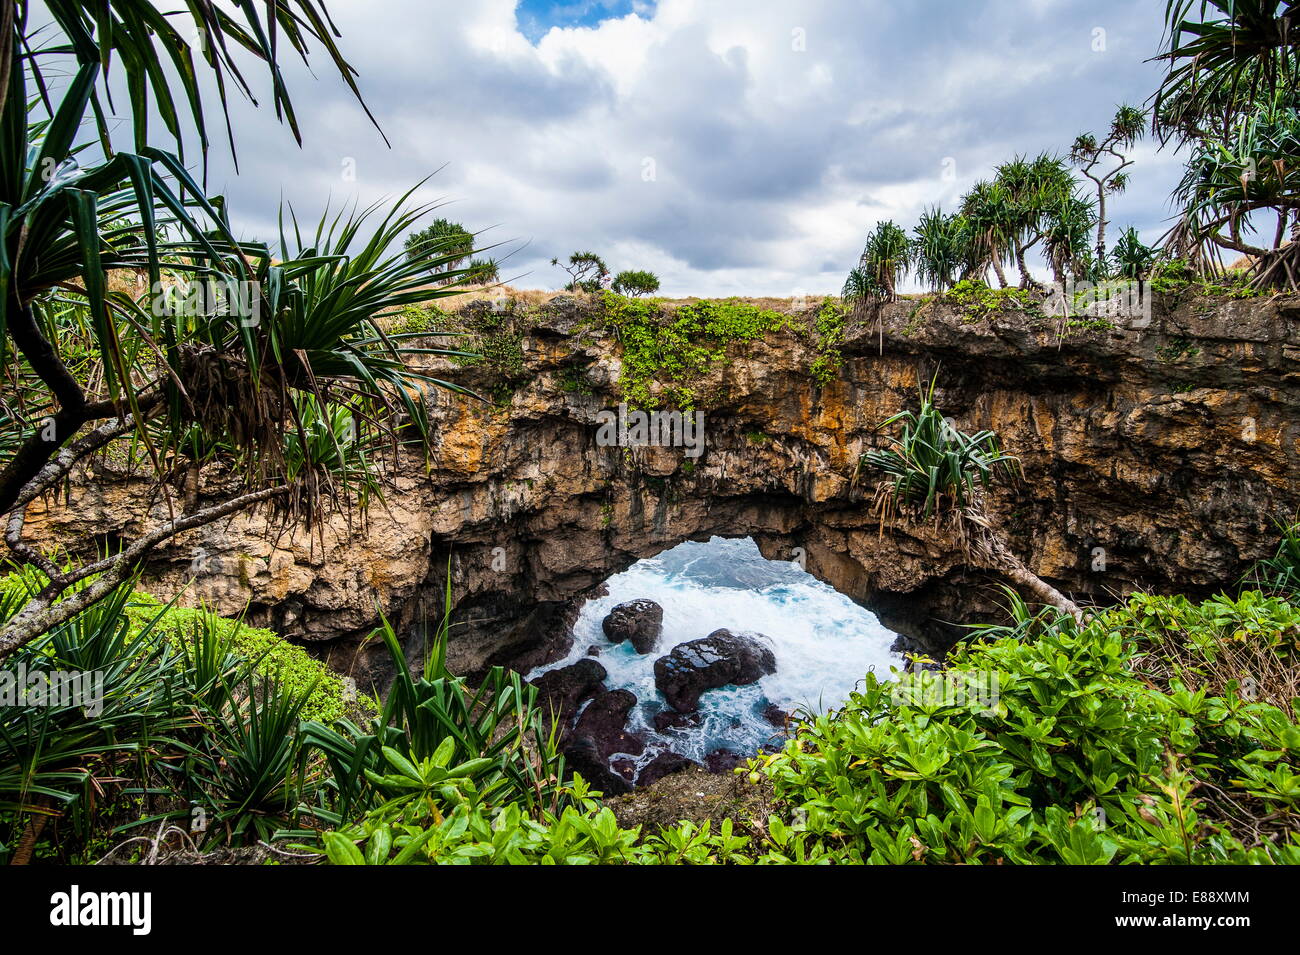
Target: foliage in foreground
185, 725
1111, 743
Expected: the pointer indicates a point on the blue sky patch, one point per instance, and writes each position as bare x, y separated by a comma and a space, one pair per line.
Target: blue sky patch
535, 17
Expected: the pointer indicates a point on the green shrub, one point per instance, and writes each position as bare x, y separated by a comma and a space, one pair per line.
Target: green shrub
635, 283
676, 347
1281, 572
275, 658
978, 300
1057, 749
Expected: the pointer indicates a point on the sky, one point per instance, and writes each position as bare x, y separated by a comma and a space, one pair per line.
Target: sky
734, 147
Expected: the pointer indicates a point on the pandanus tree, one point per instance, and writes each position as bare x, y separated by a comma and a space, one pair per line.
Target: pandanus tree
1103, 162
1222, 58
1067, 235
1230, 94
273, 344
935, 473
941, 249
1235, 189
991, 218
885, 259
1035, 190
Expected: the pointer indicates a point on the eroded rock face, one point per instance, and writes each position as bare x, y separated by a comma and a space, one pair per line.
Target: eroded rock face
1153, 457
721, 659
639, 621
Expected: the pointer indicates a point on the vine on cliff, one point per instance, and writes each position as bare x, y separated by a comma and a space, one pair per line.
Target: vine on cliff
677, 346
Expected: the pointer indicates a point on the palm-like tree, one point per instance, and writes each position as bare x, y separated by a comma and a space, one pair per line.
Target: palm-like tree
1223, 57
1067, 233
1103, 162
885, 259
992, 221
940, 248
90, 363
936, 473
1034, 188
1230, 182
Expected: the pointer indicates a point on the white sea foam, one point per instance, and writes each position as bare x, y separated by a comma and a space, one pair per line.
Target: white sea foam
824, 643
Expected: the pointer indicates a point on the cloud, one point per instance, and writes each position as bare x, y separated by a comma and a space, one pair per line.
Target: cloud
734, 146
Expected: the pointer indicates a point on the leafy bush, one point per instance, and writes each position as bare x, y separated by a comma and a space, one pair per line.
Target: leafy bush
1046, 751
979, 300
635, 283
195, 713
439, 743
272, 656
1133, 259
1078, 760
676, 347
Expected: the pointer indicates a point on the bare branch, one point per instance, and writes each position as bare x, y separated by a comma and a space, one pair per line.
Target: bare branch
42, 612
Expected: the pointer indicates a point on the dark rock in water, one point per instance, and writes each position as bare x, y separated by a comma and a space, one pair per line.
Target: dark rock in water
599, 733
593, 651
722, 761
641, 621
604, 722
775, 715
665, 764
666, 720
624, 767
722, 658
564, 689
582, 758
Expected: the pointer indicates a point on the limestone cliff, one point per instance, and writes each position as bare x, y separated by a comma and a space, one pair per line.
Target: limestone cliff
1155, 457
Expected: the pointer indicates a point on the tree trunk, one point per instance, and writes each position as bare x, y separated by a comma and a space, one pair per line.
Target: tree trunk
997, 269
1101, 227
1011, 565
1020, 264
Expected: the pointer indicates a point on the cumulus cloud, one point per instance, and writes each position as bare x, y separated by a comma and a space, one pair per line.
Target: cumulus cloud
733, 146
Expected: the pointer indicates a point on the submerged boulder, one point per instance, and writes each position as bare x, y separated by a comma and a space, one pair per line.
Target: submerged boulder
640, 621
722, 658
564, 689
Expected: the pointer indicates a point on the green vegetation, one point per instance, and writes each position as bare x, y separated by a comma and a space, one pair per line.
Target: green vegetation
587, 272
183, 718
135, 310
940, 248
635, 283
272, 657
1280, 573
1102, 162
1117, 742
932, 467
676, 347
885, 260
979, 301
450, 242
828, 336
483, 271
